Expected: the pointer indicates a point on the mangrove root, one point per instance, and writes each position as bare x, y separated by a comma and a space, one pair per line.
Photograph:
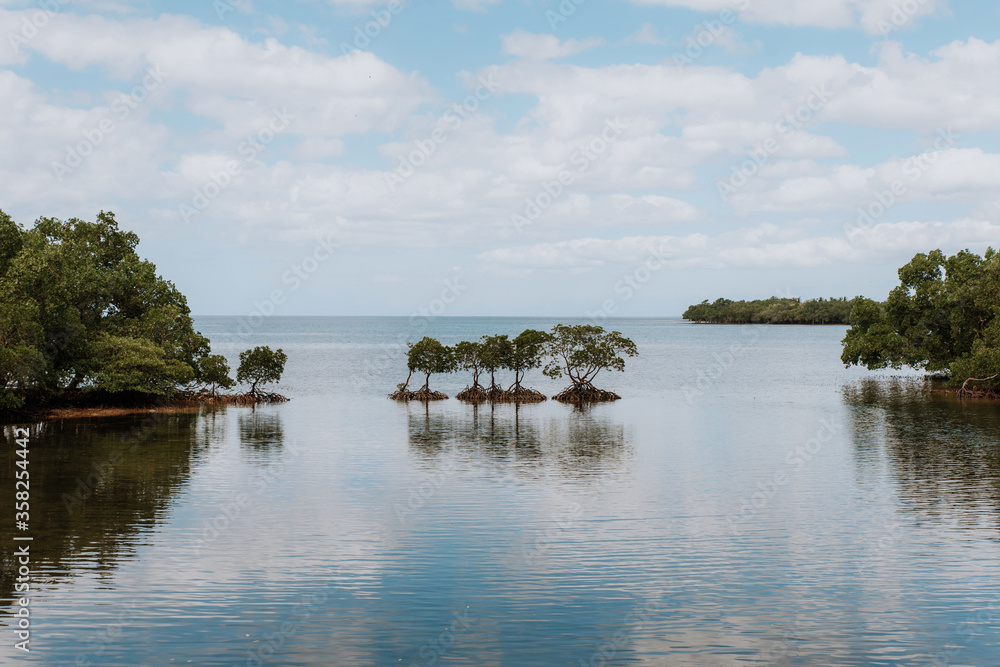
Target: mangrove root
585, 394
254, 398
972, 391
424, 394
525, 395
474, 394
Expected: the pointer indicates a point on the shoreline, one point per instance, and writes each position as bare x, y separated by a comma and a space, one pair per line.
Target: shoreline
184, 402
776, 324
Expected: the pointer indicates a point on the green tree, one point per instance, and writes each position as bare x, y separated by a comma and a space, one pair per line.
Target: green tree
68, 290
495, 354
136, 365
527, 351
943, 317
582, 351
260, 365
214, 370
429, 356
468, 357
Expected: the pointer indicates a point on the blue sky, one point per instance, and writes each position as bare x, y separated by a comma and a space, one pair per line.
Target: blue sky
488, 157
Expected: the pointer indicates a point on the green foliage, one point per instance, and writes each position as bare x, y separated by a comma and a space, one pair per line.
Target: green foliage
260, 365
526, 352
136, 364
468, 357
584, 350
213, 370
774, 310
429, 356
70, 291
495, 355
943, 317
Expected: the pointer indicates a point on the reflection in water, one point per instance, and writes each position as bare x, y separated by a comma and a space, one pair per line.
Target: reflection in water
261, 430
579, 442
941, 452
95, 486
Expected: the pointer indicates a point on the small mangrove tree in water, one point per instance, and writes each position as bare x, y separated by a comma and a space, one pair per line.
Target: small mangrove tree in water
261, 366
582, 351
579, 352
428, 356
527, 352
469, 357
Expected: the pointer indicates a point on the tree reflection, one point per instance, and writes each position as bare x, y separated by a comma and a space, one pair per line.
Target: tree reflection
96, 484
942, 452
516, 435
261, 430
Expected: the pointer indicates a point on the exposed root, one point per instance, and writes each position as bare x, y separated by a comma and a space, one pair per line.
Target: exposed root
475, 394
972, 391
255, 398
424, 394
585, 394
525, 395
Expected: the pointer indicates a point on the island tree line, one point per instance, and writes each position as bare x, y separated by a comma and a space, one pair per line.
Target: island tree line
577, 352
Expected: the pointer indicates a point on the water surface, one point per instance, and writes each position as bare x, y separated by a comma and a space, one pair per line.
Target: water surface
749, 501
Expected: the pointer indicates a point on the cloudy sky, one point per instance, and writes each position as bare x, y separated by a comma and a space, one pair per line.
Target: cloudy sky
524, 157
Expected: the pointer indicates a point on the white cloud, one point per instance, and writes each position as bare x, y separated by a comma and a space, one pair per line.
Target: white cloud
646, 34
475, 5
544, 47
766, 246
871, 15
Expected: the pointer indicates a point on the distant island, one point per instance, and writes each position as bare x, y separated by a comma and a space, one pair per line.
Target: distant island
774, 310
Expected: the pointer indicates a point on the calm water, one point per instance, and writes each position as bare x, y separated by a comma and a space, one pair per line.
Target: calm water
749, 501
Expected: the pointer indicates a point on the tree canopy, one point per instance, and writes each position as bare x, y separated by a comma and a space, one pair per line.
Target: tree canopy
80, 310
527, 351
429, 356
774, 310
260, 365
581, 352
944, 316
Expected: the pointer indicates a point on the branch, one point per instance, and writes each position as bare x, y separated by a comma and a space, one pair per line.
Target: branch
963, 390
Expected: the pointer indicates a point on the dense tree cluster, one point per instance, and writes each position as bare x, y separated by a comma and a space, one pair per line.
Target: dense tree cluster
944, 317
579, 352
774, 310
82, 313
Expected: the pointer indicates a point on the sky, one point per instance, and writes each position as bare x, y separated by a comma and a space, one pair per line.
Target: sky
579, 158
